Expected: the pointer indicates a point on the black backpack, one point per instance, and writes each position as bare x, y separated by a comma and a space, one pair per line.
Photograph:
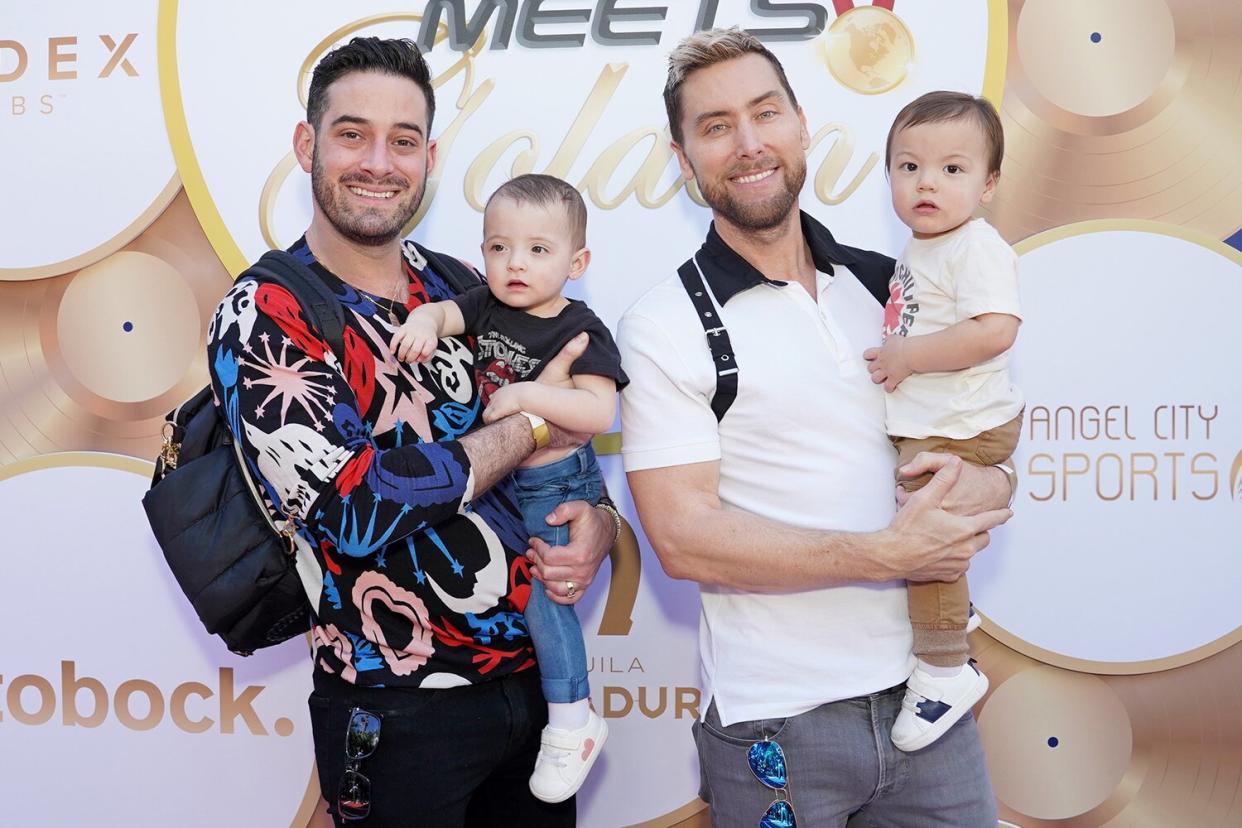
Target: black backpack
229, 557
205, 510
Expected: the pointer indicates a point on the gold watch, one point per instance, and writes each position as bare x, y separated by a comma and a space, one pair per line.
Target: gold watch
538, 428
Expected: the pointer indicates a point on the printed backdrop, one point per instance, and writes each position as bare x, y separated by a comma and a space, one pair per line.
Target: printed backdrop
145, 159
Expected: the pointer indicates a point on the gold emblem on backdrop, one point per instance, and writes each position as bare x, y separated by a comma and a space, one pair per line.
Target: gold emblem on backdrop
868, 49
92, 360
1122, 109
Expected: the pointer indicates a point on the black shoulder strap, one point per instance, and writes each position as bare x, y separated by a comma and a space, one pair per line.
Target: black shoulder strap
453, 270
874, 271
723, 359
312, 294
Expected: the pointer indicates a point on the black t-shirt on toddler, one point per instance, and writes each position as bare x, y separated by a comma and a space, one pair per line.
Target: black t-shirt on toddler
513, 346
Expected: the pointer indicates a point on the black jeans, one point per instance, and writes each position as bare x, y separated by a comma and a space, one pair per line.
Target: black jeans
446, 758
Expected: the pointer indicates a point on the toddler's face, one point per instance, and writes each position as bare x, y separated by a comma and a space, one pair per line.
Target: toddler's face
528, 254
940, 175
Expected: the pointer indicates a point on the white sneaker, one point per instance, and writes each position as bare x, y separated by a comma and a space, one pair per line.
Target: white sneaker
932, 704
565, 758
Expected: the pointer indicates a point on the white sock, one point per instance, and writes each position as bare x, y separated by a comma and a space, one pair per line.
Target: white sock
570, 716
940, 672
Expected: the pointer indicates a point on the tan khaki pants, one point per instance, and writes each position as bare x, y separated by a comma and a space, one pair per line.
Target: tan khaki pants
938, 610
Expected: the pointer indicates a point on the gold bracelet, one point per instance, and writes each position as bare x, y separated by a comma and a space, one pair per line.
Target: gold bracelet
538, 429
608, 506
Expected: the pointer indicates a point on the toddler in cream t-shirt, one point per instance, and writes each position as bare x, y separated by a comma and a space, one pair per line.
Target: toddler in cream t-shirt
951, 317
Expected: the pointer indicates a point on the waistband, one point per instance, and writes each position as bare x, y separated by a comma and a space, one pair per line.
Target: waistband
333, 687
580, 462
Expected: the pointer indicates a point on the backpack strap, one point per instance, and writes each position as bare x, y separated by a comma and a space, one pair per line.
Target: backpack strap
460, 276
723, 359
319, 302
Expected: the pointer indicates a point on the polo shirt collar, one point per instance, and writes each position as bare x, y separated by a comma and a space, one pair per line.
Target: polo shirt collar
728, 274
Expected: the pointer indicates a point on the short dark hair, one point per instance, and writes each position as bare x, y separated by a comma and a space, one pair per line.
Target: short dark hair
545, 191
390, 56
707, 48
935, 107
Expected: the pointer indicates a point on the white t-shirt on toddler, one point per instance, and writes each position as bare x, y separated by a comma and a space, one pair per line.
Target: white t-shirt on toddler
939, 282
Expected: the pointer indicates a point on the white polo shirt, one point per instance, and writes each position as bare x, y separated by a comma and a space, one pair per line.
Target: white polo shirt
803, 444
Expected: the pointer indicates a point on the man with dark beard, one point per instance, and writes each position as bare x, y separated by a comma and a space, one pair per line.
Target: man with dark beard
411, 543
754, 443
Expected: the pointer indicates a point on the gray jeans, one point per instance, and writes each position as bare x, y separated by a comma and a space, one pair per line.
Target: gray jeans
843, 769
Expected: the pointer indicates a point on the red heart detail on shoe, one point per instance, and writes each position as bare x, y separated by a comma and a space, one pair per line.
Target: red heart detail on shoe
587, 747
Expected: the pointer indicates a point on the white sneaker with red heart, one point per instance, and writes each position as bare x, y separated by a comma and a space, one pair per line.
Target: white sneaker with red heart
565, 758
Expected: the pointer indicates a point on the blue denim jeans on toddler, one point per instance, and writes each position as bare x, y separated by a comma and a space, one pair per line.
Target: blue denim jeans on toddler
554, 627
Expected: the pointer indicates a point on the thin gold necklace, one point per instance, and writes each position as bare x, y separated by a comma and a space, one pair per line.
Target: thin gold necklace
397, 286
392, 303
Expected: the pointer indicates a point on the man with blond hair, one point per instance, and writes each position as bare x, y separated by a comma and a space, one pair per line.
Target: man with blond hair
755, 448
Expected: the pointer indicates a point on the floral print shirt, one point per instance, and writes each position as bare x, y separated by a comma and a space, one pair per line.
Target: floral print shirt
416, 581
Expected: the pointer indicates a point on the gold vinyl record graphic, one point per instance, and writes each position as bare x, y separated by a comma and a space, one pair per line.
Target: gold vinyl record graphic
1122, 109
1076, 750
92, 360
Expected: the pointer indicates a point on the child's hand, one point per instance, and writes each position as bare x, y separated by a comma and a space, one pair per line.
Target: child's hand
888, 364
506, 400
416, 340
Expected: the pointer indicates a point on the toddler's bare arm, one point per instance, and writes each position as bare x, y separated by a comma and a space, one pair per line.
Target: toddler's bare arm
588, 407
418, 336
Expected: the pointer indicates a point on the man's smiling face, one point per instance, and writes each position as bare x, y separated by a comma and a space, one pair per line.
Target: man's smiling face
743, 141
371, 156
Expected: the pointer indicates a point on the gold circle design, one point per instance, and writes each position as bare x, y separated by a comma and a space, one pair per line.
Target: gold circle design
1058, 742
67, 362
1094, 73
868, 49
1170, 759
130, 309
1113, 111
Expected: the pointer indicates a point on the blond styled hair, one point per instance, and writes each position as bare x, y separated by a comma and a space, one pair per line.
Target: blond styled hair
707, 48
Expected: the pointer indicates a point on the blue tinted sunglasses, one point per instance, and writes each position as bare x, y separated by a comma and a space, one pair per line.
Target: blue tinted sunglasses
767, 763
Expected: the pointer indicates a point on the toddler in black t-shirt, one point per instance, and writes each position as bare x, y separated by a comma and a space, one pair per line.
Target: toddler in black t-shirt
534, 240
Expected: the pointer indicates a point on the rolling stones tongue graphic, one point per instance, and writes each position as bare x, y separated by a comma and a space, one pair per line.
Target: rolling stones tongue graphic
496, 375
